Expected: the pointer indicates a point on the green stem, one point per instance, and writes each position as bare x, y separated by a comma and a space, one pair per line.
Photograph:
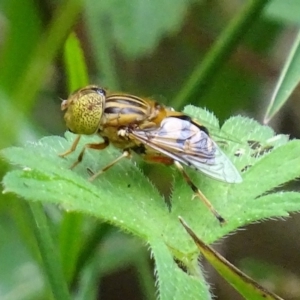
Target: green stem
45, 52
88, 283
70, 242
145, 275
207, 69
89, 249
49, 253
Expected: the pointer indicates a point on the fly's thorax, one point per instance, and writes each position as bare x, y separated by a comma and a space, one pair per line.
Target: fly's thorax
158, 113
124, 110
84, 110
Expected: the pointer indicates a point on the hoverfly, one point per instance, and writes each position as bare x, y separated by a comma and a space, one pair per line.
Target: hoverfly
155, 132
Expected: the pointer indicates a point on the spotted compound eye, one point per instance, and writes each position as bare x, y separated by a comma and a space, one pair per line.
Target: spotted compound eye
84, 110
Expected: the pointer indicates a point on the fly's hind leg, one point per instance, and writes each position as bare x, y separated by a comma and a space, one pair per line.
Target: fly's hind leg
199, 193
95, 146
126, 153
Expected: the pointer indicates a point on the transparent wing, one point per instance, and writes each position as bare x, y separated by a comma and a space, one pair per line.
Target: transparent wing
184, 141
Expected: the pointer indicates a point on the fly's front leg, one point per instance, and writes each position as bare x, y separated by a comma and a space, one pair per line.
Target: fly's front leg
73, 147
95, 146
126, 153
199, 193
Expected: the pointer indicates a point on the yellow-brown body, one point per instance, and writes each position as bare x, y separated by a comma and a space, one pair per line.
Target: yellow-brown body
155, 132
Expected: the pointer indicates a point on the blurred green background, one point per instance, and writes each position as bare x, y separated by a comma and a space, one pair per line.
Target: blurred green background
147, 48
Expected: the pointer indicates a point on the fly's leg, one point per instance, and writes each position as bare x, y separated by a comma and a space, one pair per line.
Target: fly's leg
199, 193
95, 146
73, 147
125, 153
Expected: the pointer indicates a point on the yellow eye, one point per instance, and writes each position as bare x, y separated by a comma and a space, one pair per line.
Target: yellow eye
84, 110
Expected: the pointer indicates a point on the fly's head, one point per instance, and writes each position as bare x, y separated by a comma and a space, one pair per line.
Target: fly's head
84, 110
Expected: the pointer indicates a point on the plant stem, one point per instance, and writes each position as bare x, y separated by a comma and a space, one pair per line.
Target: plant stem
206, 70
45, 52
49, 254
145, 275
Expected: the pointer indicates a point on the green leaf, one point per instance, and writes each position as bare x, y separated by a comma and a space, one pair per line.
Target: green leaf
18, 40
245, 285
207, 118
124, 197
289, 79
107, 197
284, 10
136, 26
173, 282
75, 64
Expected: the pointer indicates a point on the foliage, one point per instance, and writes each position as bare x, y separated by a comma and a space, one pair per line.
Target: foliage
125, 198
75, 247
